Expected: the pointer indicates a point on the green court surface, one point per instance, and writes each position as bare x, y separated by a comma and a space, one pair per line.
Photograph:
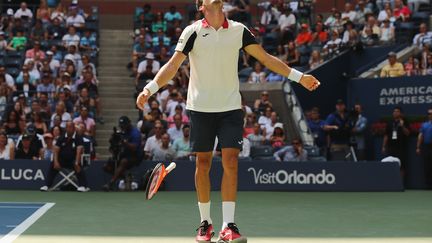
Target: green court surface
262, 216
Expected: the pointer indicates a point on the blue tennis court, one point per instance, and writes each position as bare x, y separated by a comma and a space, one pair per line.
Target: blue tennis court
15, 218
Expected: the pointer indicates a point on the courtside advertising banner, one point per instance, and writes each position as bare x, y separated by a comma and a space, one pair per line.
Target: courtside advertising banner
253, 175
379, 96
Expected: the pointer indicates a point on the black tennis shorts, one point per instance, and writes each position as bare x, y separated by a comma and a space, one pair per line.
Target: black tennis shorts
206, 126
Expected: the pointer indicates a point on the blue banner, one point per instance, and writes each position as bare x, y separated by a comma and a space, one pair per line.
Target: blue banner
253, 176
379, 96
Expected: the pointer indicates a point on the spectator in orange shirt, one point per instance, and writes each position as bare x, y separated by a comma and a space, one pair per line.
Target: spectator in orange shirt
319, 37
400, 11
305, 36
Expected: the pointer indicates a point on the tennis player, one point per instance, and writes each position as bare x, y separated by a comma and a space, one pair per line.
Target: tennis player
214, 103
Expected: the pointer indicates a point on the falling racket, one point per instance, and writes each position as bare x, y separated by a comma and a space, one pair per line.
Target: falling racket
156, 178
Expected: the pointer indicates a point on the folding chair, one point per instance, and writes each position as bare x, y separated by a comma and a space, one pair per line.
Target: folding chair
69, 177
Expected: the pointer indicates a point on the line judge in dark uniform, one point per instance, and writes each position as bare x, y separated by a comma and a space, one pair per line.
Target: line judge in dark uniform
67, 154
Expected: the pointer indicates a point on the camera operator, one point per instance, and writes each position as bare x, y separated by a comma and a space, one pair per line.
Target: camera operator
358, 124
125, 147
337, 126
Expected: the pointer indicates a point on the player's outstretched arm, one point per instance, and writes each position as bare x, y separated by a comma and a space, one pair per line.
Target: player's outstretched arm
166, 73
273, 63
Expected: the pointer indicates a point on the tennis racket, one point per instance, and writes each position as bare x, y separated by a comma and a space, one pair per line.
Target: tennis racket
156, 178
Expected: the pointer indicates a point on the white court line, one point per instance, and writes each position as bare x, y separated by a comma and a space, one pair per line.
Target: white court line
18, 207
11, 236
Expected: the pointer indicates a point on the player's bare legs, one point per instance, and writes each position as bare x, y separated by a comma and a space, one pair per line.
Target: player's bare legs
230, 174
202, 185
202, 177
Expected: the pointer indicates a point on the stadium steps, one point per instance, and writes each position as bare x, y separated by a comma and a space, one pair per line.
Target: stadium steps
115, 86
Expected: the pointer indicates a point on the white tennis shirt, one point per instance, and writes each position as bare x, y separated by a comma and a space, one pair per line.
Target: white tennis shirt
213, 56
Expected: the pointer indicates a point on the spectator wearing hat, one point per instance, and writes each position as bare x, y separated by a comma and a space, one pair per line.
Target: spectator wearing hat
150, 61
145, 65
71, 38
67, 154
53, 63
89, 122
130, 154
277, 138
7, 147
304, 37
293, 153
350, 36
74, 19
337, 126
393, 68
37, 141
27, 150
31, 53
23, 12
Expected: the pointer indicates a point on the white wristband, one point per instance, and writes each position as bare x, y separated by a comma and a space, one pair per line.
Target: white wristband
295, 75
152, 86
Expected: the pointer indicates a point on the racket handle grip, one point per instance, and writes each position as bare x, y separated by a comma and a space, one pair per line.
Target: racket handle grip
170, 167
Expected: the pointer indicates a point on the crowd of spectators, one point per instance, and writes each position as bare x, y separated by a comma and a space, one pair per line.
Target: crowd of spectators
289, 31
48, 59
